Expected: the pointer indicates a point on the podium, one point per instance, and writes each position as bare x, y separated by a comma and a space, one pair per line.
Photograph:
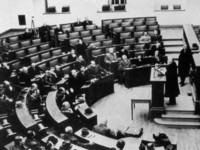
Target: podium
157, 82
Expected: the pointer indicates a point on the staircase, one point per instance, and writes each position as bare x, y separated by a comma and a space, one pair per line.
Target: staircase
180, 115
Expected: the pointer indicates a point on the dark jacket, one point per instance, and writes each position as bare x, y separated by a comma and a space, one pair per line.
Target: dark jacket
185, 61
171, 86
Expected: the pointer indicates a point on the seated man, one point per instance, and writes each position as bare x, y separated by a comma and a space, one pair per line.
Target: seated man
95, 71
104, 130
139, 62
49, 80
69, 135
34, 70
18, 144
145, 38
24, 77
31, 142
9, 90
34, 96
158, 48
59, 73
123, 64
72, 57
156, 37
157, 58
110, 57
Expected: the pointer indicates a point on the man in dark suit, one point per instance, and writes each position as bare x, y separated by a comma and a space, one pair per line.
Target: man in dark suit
171, 85
72, 57
185, 62
95, 71
34, 70
78, 23
74, 82
154, 48
83, 75
156, 37
86, 22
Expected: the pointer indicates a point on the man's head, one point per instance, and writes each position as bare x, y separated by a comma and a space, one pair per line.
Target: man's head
185, 47
145, 34
157, 45
34, 86
156, 53
120, 144
124, 57
18, 140
74, 72
155, 32
72, 51
82, 69
93, 64
33, 65
111, 50
80, 41
69, 130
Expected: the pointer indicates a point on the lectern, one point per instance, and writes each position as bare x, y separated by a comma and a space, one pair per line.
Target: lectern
157, 82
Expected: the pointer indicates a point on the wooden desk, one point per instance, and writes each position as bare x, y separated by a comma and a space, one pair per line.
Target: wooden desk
53, 110
98, 139
137, 76
57, 146
90, 119
23, 114
157, 83
102, 87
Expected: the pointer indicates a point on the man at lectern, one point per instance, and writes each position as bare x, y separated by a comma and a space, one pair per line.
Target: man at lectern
171, 86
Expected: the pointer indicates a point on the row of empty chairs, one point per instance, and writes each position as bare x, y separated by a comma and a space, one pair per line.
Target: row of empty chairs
25, 43
19, 53
123, 21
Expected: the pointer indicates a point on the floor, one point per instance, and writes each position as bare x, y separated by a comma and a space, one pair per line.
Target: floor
116, 108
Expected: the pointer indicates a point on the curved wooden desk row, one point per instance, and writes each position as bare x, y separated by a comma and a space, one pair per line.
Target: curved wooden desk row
59, 118
24, 116
102, 87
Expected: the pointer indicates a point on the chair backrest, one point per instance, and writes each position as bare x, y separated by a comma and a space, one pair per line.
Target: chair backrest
118, 21
36, 41
62, 37
68, 29
138, 23
87, 39
85, 33
52, 32
138, 34
96, 31
127, 47
117, 30
57, 52
97, 52
14, 46
90, 27
139, 46
53, 63
100, 37
141, 28
73, 41
107, 43
139, 19
96, 44
113, 25
151, 19
43, 66
74, 35
125, 35
130, 41
45, 55
66, 69
106, 22
151, 22
150, 33
32, 50
16, 65
125, 24
25, 43
62, 26
129, 20
129, 29
44, 47
35, 59
153, 27
78, 28
64, 59
20, 54
13, 39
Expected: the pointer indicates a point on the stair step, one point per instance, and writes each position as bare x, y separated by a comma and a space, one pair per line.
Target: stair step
173, 49
181, 117
173, 43
173, 55
178, 124
172, 39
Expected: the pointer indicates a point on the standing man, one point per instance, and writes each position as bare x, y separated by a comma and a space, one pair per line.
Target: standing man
171, 86
185, 61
